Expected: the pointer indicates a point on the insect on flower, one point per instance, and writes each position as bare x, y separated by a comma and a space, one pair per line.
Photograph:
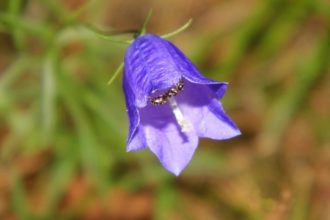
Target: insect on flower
170, 104
163, 98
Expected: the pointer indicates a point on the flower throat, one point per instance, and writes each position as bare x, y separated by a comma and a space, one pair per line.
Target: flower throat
167, 96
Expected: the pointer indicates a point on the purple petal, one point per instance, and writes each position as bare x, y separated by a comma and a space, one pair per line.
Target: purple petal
191, 73
165, 139
149, 66
201, 107
133, 113
137, 142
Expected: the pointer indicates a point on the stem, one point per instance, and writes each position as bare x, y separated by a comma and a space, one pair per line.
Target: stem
114, 76
179, 30
146, 22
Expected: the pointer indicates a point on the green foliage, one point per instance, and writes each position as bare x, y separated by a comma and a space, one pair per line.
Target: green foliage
59, 120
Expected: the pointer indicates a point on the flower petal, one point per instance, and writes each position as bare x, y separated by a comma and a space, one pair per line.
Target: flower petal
133, 118
206, 113
191, 73
165, 139
149, 67
137, 142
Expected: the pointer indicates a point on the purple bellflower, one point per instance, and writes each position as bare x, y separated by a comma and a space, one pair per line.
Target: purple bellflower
170, 104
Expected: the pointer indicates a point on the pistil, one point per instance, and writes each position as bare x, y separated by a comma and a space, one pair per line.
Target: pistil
183, 123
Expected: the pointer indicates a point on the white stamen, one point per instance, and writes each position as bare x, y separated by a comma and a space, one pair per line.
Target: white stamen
184, 124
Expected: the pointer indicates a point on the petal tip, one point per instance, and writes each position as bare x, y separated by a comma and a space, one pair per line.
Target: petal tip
134, 148
234, 133
176, 171
135, 144
238, 133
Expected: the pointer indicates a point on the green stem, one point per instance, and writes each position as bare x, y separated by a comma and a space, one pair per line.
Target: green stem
146, 22
114, 76
179, 30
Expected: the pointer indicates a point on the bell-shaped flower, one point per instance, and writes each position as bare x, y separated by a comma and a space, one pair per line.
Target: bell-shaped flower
170, 104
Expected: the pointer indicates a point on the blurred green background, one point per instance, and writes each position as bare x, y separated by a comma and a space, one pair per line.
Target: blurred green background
63, 129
